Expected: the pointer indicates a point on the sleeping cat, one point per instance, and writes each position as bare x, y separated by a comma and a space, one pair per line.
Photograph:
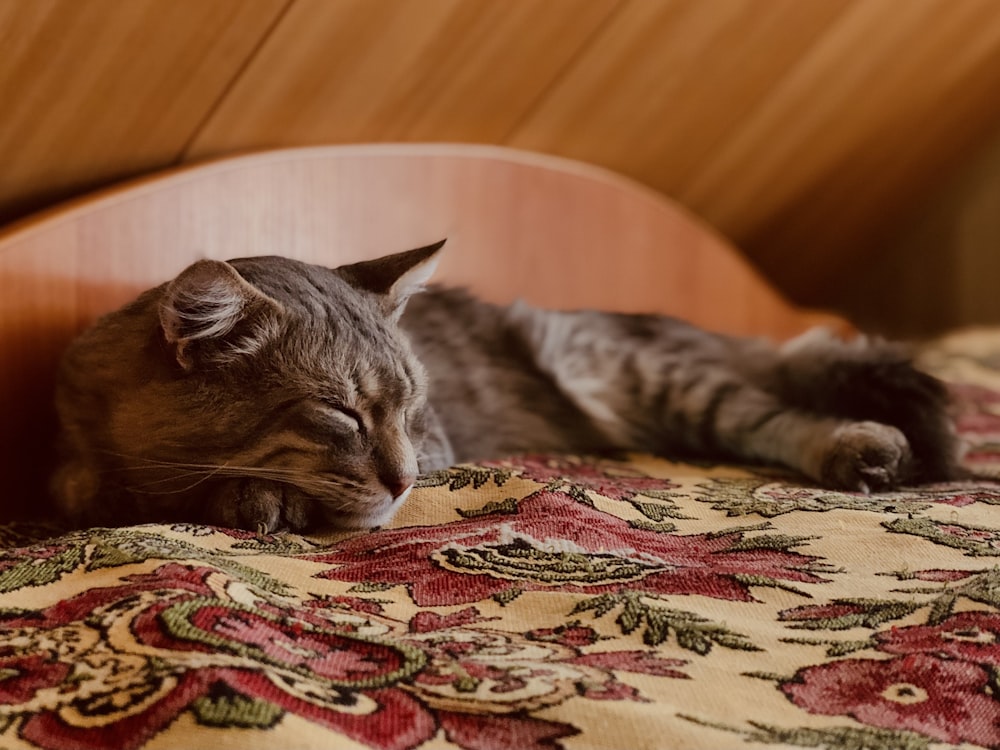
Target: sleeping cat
266, 393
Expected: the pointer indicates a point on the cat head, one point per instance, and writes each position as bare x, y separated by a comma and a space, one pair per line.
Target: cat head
259, 392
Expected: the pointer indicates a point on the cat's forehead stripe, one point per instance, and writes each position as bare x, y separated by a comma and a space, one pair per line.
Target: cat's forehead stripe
270, 447
383, 385
368, 383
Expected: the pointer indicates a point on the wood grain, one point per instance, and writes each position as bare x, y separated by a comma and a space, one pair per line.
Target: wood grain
98, 90
555, 233
400, 70
862, 126
949, 241
807, 131
667, 84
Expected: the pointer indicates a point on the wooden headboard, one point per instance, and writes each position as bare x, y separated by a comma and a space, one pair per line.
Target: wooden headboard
554, 232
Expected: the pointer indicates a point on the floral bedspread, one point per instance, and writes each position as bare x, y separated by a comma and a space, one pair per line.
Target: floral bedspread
536, 602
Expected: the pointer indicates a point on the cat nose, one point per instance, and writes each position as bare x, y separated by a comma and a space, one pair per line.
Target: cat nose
397, 485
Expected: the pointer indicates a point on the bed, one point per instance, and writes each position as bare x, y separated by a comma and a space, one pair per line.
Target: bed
535, 601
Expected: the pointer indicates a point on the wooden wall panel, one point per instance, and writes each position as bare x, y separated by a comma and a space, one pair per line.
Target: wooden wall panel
805, 130
939, 269
891, 97
95, 90
799, 129
401, 70
669, 83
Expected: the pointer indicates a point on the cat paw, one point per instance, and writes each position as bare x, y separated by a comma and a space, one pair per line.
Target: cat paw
865, 457
260, 506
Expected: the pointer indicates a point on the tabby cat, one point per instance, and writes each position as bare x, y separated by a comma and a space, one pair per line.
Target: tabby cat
266, 393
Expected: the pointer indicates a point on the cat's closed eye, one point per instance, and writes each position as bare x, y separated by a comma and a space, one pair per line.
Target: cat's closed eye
323, 418
343, 415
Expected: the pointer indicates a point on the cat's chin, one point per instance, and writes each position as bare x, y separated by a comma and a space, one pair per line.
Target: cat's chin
362, 521
267, 507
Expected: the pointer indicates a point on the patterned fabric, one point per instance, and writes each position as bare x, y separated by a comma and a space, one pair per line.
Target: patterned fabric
538, 602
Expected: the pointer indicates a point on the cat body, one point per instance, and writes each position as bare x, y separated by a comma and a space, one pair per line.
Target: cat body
267, 393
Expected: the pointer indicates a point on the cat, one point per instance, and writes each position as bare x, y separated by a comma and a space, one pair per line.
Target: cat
266, 393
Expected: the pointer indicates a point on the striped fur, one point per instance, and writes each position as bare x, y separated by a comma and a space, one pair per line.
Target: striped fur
267, 393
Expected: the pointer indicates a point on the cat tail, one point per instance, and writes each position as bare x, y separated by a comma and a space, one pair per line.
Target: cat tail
872, 379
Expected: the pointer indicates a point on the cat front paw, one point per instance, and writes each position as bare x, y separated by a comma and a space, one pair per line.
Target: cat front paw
866, 457
258, 505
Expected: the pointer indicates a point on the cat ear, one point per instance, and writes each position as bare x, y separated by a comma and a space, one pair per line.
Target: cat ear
394, 277
208, 306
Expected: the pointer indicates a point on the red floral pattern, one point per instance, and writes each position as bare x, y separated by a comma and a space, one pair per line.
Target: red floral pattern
942, 699
552, 541
969, 636
383, 683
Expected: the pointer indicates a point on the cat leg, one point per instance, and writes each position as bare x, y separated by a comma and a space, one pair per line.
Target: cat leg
869, 379
865, 456
651, 383
716, 413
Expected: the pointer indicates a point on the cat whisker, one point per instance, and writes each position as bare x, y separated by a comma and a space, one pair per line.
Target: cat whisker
310, 484
179, 491
172, 478
154, 464
153, 461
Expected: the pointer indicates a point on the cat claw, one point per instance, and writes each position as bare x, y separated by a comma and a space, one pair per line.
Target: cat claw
249, 504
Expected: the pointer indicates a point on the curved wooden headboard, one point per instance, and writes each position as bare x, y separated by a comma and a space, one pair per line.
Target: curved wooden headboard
554, 232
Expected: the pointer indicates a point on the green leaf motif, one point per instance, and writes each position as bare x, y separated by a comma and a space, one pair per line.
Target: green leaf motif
506, 507
117, 547
767, 676
111, 556
839, 738
982, 587
236, 711
98, 549
574, 491
864, 613
366, 588
459, 477
770, 498
37, 568
763, 526
639, 610
775, 542
662, 528
829, 738
833, 648
975, 541
12, 613
659, 511
767, 582
277, 544
941, 608
505, 597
